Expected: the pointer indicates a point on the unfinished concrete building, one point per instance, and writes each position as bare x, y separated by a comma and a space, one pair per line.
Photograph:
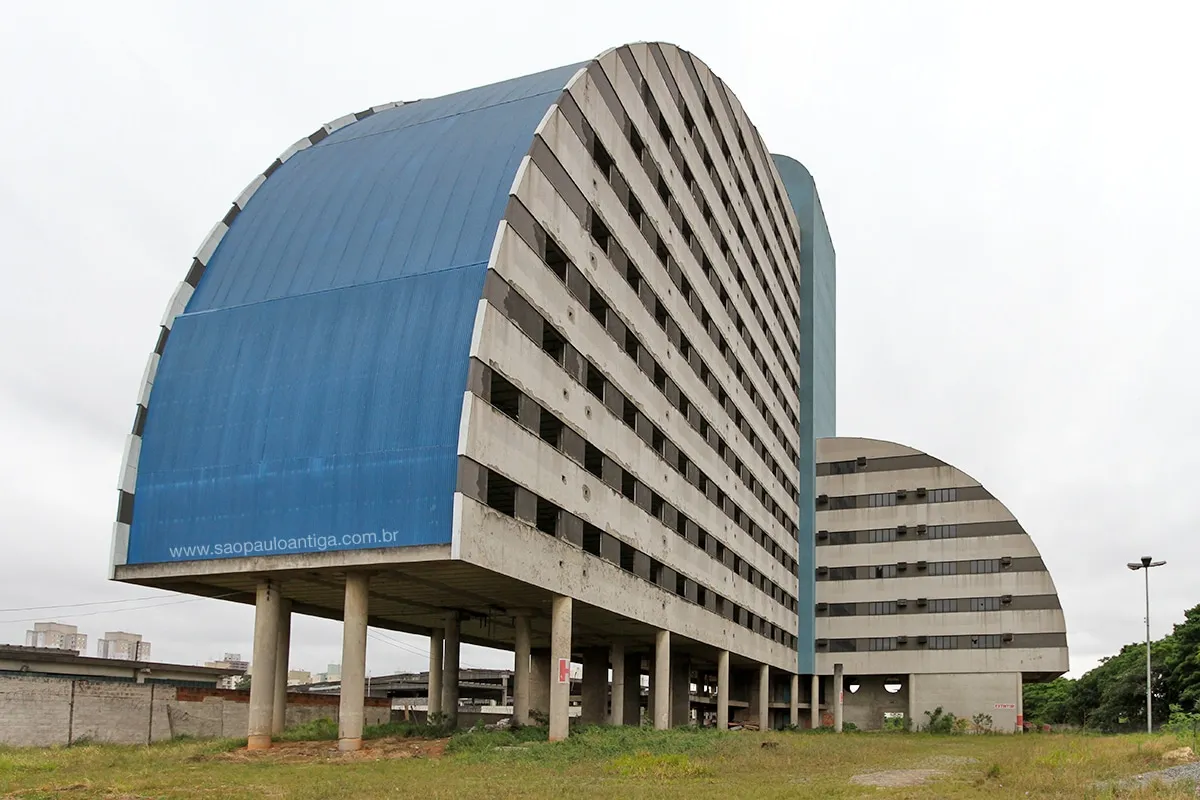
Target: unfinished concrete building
929, 592
517, 366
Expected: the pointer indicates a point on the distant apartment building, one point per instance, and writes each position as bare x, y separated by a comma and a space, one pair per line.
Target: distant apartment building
230, 661
299, 677
332, 673
123, 645
56, 636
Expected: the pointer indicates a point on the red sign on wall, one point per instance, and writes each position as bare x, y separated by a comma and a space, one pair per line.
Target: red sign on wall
564, 670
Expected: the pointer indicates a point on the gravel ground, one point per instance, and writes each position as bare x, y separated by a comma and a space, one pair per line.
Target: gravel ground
1183, 772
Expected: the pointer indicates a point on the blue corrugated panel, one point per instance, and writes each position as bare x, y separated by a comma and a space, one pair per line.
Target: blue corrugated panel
310, 397
818, 391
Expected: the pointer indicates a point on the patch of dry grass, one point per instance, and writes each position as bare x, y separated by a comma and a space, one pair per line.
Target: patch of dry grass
607, 763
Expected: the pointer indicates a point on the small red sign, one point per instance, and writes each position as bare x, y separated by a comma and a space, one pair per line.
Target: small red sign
1006, 706
564, 670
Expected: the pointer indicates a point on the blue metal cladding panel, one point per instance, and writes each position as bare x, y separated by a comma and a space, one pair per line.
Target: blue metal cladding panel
817, 379
309, 398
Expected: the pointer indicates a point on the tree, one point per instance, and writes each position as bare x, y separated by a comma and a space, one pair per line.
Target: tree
1050, 703
1182, 666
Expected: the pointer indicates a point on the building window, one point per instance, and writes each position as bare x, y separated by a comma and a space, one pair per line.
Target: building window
884, 643
984, 603
942, 531
842, 609
943, 606
842, 467
942, 495
988, 641
943, 642
881, 535
881, 500
943, 568
884, 571
884, 607
501, 494
843, 645
983, 566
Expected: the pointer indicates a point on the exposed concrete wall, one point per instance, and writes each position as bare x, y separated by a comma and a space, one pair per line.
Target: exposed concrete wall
866, 707
41, 712
965, 695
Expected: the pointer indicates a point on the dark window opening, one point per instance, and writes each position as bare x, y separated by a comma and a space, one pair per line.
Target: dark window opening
550, 428
591, 538
554, 344
664, 193
593, 459
702, 595
501, 494
547, 517
599, 230
660, 314
631, 345
555, 259
633, 278
660, 250
629, 415
598, 308
681, 524
658, 440
506, 398
627, 557
600, 155
656, 506
680, 585
656, 569
660, 378
636, 143
595, 381
628, 484
635, 210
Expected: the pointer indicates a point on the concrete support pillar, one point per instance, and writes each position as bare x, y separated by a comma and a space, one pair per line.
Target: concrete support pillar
633, 689
681, 690
1020, 699
661, 685
521, 670
560, 663
354, 663
764, 697
540, 676
794, 715
912, 723
450, 662
262, 669
617, 703
437, 641
814, 709
595, 686
723, 690
836, 700
282, 653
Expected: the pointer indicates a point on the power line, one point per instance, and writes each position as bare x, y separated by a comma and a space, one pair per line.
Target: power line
80, 605
138, 608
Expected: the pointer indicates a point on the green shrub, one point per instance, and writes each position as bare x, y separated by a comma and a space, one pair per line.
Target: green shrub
940, 721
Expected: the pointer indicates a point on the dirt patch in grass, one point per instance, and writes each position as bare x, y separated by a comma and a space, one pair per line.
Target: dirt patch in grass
895, 778
305, 752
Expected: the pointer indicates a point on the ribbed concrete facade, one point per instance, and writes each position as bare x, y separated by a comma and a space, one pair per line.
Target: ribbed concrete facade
923, 572
520, 359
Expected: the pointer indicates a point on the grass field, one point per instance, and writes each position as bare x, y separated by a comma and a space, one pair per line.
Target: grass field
599, 762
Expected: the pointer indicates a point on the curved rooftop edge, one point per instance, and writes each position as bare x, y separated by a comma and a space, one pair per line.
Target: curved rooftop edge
922, 570
287, 391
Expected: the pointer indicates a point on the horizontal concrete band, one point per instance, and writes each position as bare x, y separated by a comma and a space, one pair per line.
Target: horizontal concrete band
502, 494
901, 533
936, 605
982, 641
927, 569
885, 464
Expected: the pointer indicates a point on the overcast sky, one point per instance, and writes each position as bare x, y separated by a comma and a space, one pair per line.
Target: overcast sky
1012, 192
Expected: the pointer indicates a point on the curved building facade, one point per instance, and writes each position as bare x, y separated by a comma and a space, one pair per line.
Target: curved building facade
929, 591
517, 365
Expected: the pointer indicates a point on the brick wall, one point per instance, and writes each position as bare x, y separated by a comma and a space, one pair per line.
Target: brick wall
41, 712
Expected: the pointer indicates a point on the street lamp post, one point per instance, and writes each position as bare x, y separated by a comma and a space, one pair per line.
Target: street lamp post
1145, 564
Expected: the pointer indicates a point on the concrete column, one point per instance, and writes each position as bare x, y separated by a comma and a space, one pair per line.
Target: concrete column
560, 663
595, 686
437, 640
814, 710
450, 662
354, 662
633, 689
723, 690
262, 669
661, 685
1020, 700
617, 703
764, 697
681, 690
794, 715
521, 670
282, 652
913, 723
836, 700
540, 675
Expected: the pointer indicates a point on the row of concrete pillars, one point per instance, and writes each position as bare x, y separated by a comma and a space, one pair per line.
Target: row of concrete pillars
542, 677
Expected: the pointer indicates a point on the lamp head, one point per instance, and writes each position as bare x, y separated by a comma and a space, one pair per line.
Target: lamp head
1134, 566
1146, 561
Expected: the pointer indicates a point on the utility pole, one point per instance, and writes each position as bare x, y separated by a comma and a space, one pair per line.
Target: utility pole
1145, 564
